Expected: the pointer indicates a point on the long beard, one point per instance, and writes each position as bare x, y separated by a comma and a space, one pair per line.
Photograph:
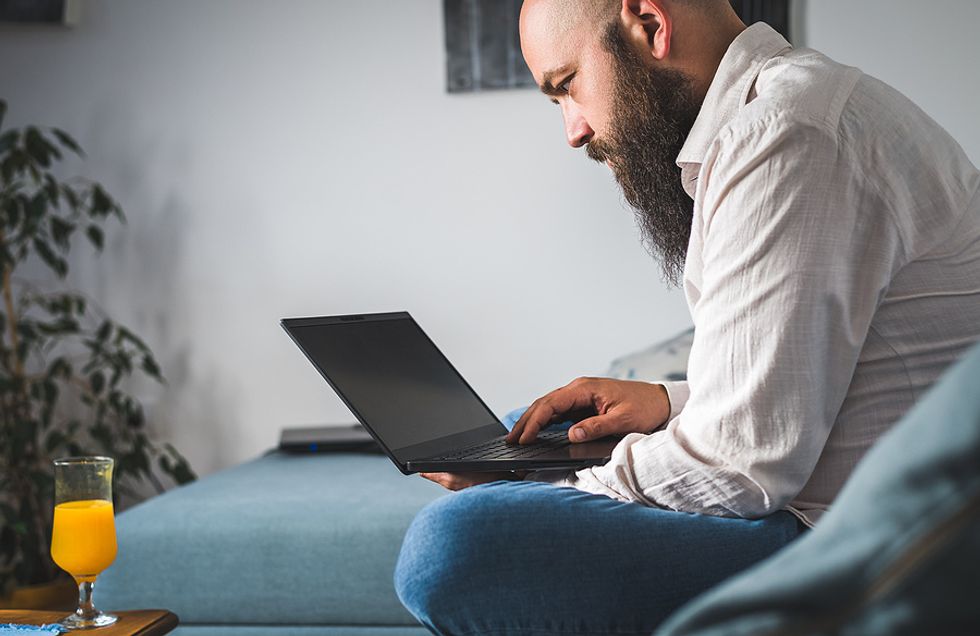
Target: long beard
654, 111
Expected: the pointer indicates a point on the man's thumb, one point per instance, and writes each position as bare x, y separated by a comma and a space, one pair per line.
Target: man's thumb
591, 428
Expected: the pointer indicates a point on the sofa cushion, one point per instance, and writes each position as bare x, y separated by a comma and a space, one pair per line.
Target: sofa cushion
283, 539
666, 360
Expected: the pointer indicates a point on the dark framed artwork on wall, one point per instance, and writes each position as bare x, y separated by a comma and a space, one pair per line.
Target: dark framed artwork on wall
39, 12
483, 47
773, 12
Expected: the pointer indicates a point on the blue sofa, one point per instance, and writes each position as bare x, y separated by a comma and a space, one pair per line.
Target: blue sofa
292, 544
284, 544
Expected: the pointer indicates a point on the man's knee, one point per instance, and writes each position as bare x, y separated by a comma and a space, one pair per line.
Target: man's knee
447, 547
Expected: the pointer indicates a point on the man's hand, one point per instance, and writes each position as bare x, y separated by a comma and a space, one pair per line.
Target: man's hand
615, 406
458, 481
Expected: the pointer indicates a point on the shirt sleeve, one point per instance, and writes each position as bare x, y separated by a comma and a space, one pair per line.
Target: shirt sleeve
791, 271
678, 391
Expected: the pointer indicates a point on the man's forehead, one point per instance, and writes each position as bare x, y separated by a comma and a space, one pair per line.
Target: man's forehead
551, 39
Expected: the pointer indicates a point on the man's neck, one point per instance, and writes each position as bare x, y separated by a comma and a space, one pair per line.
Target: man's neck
718, 42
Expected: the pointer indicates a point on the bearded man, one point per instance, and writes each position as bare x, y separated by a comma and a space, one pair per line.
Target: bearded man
827, 235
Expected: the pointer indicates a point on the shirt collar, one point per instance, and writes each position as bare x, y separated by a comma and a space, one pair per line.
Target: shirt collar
729, 91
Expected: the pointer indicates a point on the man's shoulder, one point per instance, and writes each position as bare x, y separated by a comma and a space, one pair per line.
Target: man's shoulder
802, 88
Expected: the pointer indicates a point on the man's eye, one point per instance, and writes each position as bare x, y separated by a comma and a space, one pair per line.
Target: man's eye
566, 85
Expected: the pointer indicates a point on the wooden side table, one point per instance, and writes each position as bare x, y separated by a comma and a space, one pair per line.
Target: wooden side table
132, 623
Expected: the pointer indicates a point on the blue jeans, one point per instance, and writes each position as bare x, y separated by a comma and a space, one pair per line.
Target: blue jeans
532, 558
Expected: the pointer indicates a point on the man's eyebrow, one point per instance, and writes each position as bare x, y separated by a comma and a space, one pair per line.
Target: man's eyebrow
548, 78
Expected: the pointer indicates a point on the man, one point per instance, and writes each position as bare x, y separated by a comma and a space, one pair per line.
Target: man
827, 233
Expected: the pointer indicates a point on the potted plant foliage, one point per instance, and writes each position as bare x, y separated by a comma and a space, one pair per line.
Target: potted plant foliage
64, 365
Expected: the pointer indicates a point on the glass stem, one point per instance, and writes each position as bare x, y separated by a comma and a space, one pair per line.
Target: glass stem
86, 609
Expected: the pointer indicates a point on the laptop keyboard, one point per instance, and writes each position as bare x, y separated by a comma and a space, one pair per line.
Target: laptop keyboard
497, 448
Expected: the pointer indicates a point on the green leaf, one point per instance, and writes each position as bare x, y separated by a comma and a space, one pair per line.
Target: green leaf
64, 326
134, 415
37, 147
7, 141
15, 162
71, 196
104, 330
151, 368
60, 367
102, 434
97, 382
52, 260
95, 236
68, 141
61, 231
51, 189
180, 470
102, 204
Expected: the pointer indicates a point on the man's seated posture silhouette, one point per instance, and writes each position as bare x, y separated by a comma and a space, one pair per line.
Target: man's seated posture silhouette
827, 236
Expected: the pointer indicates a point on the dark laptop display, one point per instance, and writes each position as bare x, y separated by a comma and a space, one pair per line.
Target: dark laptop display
411, 399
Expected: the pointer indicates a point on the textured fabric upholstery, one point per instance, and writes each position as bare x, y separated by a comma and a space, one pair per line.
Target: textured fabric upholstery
281, 540
896, 554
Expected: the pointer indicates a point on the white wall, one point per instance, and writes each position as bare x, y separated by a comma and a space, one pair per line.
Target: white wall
301, 158
929, 51
280, 159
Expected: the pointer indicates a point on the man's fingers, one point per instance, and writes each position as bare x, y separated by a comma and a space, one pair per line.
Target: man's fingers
449, 481
575, 396
439, 478
537, 420
594, 428
530, 422
459, 481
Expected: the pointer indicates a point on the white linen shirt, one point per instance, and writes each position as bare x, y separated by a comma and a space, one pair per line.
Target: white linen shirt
833, 273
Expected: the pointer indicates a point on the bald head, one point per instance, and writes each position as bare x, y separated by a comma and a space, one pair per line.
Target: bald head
562, 16
690, 36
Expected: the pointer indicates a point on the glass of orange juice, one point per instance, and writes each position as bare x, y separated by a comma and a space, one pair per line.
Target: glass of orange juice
83, 542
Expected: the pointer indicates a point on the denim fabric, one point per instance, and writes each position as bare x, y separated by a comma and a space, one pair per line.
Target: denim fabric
899, 551
532, 558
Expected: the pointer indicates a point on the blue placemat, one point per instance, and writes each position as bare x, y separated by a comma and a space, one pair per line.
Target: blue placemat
11, 629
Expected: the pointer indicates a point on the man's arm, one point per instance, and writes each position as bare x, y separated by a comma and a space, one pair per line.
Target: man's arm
791, 273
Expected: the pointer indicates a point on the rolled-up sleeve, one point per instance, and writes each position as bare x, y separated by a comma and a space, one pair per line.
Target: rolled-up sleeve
789, 273
678, 391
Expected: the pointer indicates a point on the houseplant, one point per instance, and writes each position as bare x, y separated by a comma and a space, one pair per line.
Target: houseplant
64, 365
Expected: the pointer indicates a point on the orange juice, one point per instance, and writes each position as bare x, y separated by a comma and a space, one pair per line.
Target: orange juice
83, 542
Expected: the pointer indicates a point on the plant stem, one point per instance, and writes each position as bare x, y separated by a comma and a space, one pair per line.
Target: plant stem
24, 487
8, 299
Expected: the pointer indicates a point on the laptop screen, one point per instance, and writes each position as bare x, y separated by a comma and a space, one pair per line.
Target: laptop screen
392, 376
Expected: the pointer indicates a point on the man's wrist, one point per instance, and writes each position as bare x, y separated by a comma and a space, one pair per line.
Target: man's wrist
664, 415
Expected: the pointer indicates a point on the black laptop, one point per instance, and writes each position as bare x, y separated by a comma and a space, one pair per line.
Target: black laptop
416, 405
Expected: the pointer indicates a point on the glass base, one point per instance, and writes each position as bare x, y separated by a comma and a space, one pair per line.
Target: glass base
78, 621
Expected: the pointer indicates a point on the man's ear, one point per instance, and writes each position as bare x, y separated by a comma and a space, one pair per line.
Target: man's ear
648, 26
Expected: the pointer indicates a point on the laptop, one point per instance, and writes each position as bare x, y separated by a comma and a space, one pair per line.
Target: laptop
416, 405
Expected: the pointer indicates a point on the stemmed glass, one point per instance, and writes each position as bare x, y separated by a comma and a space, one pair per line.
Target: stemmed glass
83, 542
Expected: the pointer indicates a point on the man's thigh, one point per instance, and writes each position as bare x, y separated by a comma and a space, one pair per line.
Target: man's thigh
527, 557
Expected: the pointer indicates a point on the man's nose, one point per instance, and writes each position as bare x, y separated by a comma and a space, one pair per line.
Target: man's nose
577, 129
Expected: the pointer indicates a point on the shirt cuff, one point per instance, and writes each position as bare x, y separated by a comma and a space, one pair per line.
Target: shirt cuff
678, 393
